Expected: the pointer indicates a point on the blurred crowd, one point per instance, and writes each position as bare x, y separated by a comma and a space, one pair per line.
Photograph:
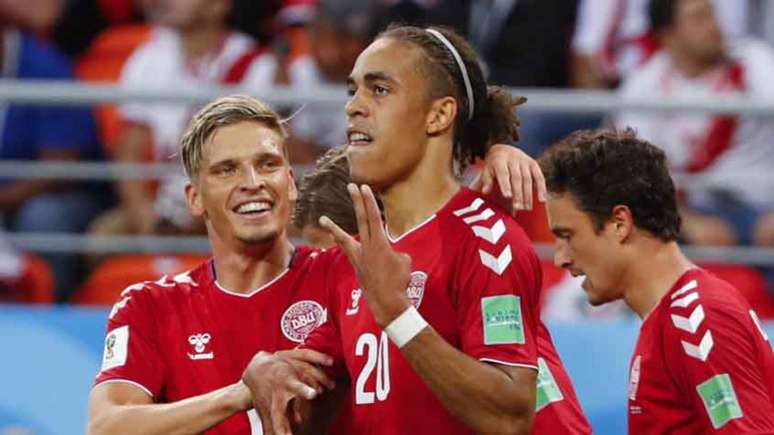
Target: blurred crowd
640, 48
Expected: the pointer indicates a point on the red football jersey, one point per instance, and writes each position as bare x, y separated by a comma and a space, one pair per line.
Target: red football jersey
185, 335
702, 364
476, 280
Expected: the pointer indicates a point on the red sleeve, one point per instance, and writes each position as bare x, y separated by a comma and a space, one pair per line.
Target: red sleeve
131, 352
714, 352
497, 287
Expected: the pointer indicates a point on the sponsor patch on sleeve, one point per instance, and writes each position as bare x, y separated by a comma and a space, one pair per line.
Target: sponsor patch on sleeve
116, 348
547, 389
502, 320
720, 400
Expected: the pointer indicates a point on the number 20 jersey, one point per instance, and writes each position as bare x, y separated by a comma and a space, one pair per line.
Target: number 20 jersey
476, 281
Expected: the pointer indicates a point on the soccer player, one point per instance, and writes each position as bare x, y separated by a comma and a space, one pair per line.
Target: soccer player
449, 341
176, 348
702, 363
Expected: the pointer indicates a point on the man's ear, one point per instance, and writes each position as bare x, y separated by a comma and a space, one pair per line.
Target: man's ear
441, 116
622, 221
194, 200
292, 189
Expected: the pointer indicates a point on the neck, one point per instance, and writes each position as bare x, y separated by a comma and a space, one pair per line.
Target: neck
652, 273
691, 66
250, 267
201, 41
415, 198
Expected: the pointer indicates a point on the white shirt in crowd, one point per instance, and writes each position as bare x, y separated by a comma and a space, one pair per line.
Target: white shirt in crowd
159, 64
742, 166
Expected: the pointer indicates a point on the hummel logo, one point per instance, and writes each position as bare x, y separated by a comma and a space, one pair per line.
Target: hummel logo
491, 235
200, 342
700, 352
691, 323
498, 264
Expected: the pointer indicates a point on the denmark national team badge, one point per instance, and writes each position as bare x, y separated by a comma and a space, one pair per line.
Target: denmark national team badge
300, 319
416, 288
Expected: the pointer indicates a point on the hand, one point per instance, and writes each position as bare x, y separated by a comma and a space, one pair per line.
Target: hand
383, 274
276, 379
514, 173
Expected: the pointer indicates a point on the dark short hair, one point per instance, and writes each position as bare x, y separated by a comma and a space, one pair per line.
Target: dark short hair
605, 168
661, 14
494, 112
323, 192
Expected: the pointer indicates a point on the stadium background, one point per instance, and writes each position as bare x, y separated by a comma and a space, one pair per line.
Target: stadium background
65, 77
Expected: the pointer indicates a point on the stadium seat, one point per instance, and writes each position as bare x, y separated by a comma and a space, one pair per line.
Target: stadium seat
37, 281
103, 63
116, 273
750, 283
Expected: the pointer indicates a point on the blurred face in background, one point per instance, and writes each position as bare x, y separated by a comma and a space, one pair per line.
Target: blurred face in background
334, 49
245, 185
187, 14
696, 31
35, 15
387, 113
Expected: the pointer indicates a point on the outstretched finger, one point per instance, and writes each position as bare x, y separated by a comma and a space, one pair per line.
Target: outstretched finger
347, 243
526, 185
279, 417
503, 175
308, 355
540, 181
300, 389
360, 214
265, 417
516, 182
374, 216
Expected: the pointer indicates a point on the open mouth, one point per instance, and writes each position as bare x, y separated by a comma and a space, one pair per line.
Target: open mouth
358, 138
254, 209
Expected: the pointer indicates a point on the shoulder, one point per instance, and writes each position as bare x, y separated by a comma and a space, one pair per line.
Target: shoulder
37, 59
757, 60
475, 226
149, 297
645, 79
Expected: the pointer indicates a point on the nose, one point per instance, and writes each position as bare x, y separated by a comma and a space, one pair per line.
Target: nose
251, 180
355, 106
561, 258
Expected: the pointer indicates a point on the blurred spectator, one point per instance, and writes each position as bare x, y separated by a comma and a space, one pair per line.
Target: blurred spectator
340, 30
613, 38
23, 277
191, 48
730, 196
524, 43
47, 133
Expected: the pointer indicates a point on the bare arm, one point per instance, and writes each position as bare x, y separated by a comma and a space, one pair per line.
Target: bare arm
122, 408
16, 192
133, 146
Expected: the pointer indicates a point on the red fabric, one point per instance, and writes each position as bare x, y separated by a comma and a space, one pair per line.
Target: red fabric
184, 336
237, 71
667, 369
721, 131
454, 278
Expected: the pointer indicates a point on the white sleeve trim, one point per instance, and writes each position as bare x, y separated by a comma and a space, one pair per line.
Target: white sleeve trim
125, 381
497, 361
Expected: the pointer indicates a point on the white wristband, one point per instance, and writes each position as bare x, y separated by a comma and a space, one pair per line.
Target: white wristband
405, 327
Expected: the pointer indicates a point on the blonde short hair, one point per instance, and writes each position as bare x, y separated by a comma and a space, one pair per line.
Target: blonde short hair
220, 113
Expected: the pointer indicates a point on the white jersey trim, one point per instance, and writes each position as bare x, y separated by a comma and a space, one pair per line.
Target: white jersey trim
251, 293
124, 381
497, 361
418, 226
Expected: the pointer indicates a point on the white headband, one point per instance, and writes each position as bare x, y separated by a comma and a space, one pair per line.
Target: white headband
461, 65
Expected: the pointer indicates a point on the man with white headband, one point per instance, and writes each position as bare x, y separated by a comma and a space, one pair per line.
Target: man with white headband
433, 319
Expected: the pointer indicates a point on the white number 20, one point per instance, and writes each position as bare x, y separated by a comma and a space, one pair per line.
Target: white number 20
377, 352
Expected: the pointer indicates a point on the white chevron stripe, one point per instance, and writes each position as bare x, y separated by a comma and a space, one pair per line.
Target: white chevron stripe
484, 215
702, 351
499, 264
475, 205
690, 323
491, 235
686, 288
685, 301
757, 322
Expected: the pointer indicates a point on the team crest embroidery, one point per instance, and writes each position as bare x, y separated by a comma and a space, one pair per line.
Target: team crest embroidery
416, 288
199, 343
300, 319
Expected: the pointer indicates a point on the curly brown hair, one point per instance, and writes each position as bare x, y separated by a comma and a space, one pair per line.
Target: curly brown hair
608, 167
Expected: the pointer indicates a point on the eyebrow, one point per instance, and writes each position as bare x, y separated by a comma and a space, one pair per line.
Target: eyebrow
372, 77
559, 231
